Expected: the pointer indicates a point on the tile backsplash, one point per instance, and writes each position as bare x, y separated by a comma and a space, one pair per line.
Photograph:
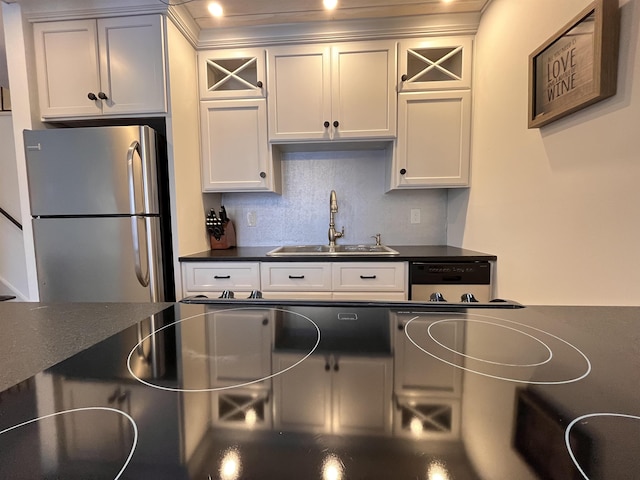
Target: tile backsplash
301, 214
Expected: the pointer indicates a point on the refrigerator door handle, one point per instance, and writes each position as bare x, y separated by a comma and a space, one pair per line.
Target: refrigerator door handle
143, 278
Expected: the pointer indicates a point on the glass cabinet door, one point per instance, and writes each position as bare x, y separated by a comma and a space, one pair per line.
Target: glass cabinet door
435, 64
231, 74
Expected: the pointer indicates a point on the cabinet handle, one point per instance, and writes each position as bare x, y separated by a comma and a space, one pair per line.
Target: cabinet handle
368, 277
222, 277
336, 124
263, 175
102, 96
92, 96
403, 171
404, 77
296, 277
326, 124
265, 321
259, 84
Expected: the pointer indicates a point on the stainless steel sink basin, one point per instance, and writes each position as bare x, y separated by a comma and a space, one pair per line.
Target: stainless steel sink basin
326, 250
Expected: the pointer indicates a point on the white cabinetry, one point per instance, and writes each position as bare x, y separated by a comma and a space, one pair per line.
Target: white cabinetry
235, 153
334, 280
339, 92
212, 278
434, 114
91, 68
333, 394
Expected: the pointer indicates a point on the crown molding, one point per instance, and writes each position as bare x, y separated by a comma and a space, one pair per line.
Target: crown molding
185, 23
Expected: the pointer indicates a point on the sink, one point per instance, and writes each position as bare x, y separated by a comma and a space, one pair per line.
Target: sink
326, 250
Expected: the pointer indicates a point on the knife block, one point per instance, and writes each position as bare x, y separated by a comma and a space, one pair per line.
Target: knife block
227, 239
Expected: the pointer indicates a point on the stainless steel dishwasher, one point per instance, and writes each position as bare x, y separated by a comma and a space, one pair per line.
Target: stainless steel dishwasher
450, 281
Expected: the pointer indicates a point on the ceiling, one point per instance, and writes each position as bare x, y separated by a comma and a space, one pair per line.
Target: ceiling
242, 13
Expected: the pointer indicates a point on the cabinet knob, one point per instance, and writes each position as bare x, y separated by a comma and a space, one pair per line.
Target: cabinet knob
404, 77
102, 96
327, 367
259, 84
336, 124
403, 171
400, 326
265, 321
326, 124
92, 96
336, 367
263, 175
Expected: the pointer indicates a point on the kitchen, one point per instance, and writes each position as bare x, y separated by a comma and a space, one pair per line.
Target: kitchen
548, 200
542, 200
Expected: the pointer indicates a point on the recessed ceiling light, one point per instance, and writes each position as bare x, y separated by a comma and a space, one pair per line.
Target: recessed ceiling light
215, 9
330, 4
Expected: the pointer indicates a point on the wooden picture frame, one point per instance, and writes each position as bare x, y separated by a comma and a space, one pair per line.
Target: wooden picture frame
577, 66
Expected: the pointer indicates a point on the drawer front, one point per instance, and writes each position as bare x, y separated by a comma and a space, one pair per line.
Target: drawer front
219, 276
356, 277
296, 277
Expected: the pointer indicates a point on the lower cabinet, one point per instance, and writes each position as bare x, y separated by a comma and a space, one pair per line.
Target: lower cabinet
212, 278
333, 393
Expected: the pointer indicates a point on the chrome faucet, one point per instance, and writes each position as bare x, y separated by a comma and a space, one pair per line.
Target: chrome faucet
333, 234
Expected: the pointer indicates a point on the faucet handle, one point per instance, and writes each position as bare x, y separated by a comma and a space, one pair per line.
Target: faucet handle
377, 237
340, 234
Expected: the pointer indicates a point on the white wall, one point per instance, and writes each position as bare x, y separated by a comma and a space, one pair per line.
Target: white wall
13, 278
558, 205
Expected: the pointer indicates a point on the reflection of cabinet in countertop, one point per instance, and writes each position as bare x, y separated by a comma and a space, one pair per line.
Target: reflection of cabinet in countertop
427, 390
333, 393
94, 68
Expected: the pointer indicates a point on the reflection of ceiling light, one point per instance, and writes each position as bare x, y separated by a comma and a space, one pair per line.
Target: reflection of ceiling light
230, 465
215, 9
250, 417
416, 426
330, 4
332, 468
437, 471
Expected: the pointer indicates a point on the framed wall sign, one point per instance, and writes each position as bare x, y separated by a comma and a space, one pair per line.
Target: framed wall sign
576, 67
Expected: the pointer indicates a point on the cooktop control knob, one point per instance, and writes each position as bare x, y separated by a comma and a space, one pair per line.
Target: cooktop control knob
227, 294
255, 294
436, 297
468, 297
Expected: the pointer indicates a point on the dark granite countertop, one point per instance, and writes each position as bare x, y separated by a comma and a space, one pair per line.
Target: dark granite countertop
38, 335
413, 253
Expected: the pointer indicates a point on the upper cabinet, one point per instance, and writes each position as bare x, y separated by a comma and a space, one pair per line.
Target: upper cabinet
231, 73
434, 114
435, 64
332, 92
93, 68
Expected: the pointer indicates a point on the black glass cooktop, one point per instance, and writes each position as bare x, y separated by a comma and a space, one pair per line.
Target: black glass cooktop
331, 391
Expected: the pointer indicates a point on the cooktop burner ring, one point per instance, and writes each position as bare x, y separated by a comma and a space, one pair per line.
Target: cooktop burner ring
85, 409
546, 360
567, 433
565, 343
226, 387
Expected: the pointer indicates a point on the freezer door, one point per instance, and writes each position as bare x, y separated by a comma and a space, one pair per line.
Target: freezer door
94, 259
92, 171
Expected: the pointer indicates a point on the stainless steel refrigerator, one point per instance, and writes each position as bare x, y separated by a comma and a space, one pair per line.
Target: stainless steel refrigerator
99, 229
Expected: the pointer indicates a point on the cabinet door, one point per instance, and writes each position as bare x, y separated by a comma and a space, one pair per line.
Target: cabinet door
299, 93
435, 64
239, 347
215, 277
302, 395
432, 149
236, 156
295, 276
363, 90
132, 64
231, 73
369, 276
67, 68
361, 395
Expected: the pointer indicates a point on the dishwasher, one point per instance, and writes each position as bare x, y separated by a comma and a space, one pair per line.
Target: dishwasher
450, 281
